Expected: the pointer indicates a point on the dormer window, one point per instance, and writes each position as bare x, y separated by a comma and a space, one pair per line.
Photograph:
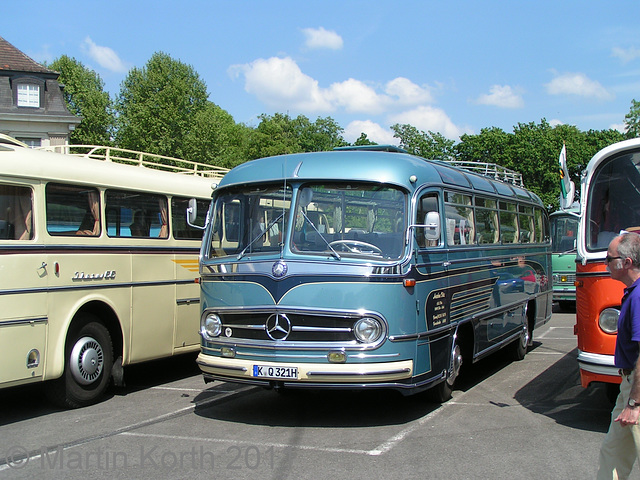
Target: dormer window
28, 95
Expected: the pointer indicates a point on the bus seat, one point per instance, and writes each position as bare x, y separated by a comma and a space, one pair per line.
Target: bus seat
139, 226
7, 230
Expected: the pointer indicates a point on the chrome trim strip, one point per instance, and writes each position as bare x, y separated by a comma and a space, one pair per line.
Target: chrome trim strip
95, 286
597, 363
25, 321
187, 301
360, 374
223, 367
308, 268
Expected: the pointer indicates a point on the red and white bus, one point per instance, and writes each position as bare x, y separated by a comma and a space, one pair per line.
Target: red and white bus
610, 203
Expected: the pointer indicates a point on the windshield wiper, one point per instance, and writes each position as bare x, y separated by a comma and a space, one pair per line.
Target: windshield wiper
268, 227
333, 250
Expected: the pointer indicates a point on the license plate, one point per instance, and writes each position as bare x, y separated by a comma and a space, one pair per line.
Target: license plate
275, 372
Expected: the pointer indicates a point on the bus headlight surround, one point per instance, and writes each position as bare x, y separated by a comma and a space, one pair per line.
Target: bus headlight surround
367, 330
210, 326
608, 320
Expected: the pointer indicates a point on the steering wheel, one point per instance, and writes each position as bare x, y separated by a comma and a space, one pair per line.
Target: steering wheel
356, 246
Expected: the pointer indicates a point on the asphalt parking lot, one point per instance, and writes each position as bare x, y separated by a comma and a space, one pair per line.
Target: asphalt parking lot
511, 420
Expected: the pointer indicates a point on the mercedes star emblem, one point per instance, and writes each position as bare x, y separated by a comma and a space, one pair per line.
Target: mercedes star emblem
278, 326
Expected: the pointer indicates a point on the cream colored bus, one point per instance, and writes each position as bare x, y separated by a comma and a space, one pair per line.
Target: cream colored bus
98, 265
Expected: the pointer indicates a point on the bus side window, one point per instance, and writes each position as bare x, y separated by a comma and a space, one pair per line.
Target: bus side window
181, 230
427, 203
134, 214
525, 220
72, 210
509, 232
459, 223
15, 213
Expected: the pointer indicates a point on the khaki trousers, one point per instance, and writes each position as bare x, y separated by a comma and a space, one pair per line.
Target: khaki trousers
621, 445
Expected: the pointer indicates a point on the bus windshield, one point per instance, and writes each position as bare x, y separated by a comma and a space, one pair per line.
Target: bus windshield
249, 220
564, 229
350, 219
614, 200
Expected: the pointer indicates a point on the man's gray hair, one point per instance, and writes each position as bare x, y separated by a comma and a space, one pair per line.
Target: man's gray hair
629, 247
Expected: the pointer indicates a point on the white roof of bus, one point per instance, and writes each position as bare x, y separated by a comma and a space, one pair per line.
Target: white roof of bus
18, 162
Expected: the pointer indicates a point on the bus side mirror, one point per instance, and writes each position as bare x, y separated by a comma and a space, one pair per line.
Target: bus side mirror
432, 226
192, 213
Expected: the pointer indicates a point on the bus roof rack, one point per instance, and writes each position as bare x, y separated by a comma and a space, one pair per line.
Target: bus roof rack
373, 148
6, 139
141, 159
492, 170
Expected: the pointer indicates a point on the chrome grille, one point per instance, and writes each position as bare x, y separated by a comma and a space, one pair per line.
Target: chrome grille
304, 327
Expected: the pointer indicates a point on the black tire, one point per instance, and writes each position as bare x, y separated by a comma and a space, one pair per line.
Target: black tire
520, 346
442, 392
87, 366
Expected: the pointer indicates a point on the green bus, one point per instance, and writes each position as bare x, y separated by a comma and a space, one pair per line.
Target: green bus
564, 228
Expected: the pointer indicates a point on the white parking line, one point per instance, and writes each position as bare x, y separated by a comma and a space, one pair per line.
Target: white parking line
120, 431
381, 449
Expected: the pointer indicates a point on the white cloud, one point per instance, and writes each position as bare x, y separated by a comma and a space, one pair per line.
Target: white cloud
356, 97
427, 118
555, 122
374, 131
626, 55
407, 92
501, 96
321, 38
105, 56
577, 84
279, 83
621, 127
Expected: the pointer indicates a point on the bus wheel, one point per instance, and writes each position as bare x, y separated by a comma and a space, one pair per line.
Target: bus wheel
520, 346
87, 370
442, 392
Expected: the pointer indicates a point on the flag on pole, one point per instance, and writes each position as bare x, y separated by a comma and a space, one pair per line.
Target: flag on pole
567, 187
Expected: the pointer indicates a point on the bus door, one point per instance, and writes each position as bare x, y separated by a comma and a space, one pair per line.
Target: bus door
187, 295
432, 291
23, 286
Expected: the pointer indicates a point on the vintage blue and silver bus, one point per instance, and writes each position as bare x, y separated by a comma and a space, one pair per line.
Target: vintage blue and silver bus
368, 267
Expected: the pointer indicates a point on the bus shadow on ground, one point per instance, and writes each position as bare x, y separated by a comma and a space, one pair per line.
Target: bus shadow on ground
29, 401
338, 408
558, 394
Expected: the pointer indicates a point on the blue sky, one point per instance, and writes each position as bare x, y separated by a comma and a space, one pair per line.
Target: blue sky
447, 66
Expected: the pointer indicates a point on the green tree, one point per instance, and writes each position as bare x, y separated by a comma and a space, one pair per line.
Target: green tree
215, 138
632, 120
363, 140
280, 134
430, 145
322, 135
85, 96
491, 145
157, 106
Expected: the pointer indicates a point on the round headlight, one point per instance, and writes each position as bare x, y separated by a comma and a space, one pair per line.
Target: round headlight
608, 320
210, 326
367, 330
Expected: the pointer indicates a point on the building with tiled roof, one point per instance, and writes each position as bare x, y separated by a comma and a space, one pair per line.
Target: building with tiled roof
32, 107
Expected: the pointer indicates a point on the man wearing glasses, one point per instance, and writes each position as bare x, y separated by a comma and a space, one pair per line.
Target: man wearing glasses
621, 446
